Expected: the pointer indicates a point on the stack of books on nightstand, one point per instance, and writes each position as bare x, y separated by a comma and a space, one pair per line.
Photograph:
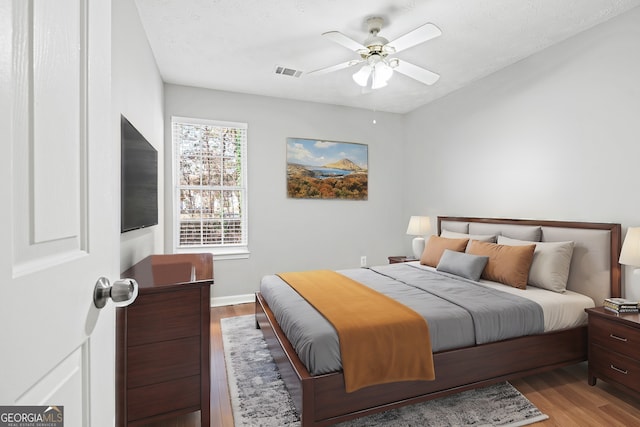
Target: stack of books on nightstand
621, 305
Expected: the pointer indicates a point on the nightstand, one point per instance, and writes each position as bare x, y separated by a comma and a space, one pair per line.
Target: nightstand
400, 258
614, 349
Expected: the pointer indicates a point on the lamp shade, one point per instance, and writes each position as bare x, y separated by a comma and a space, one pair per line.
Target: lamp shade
630, 254
361, 77
383, 72
381, 75
419, 226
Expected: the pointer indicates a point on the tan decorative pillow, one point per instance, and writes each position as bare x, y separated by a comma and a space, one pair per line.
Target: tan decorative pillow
436, 246
507, 264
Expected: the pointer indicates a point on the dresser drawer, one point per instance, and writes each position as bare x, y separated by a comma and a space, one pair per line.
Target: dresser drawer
163, 361
614, 336
609, 365
164, 316
163, 398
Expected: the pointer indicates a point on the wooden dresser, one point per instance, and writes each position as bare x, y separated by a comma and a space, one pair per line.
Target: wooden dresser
162, 341
614, 349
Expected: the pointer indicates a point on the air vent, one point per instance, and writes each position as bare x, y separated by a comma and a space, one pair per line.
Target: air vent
288, 71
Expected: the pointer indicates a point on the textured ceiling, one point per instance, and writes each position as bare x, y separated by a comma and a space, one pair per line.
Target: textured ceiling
235, 45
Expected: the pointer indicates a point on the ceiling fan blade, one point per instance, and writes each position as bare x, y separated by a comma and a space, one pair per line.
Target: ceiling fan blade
334, 67
417, 73
421, 34
345, 41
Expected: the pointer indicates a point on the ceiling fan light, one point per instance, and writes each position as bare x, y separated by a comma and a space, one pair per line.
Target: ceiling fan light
379, 78
378, 83
361, 77
382, 72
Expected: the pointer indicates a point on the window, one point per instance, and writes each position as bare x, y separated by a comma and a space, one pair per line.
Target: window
210, 177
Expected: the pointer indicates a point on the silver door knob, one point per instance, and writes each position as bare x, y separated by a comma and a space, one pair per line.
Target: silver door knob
123, 292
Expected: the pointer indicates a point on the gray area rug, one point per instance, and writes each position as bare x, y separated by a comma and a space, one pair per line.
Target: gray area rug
260, 398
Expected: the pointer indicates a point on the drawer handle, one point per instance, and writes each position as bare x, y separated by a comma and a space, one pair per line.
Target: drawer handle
622, 371
615, 337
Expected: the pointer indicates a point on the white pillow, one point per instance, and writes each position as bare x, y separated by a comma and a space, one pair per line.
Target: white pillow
551, 263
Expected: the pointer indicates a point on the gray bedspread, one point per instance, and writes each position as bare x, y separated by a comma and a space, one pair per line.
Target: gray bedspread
459, 312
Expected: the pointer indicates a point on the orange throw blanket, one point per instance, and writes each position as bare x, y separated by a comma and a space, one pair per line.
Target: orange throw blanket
381, 340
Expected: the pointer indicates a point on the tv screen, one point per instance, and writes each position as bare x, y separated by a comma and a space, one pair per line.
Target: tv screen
139, 180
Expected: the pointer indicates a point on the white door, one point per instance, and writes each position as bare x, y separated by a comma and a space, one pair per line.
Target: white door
58, 207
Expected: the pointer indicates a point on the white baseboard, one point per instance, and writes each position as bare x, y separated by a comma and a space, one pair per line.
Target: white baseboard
232, 300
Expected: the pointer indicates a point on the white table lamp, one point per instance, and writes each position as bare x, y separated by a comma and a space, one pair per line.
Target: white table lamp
418, 226
630, 253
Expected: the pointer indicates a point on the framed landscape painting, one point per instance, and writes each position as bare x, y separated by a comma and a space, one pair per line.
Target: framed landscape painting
318, 169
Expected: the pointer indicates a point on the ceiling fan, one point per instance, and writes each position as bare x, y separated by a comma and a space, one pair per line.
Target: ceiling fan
375, 55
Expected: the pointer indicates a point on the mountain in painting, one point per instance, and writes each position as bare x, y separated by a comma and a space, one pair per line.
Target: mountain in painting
344, 164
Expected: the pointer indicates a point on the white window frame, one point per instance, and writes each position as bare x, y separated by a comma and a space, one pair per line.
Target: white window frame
222, 251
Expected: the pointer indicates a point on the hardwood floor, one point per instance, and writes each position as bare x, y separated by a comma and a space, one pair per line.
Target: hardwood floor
562, 394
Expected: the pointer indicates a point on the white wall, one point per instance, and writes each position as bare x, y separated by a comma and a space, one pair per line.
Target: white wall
555, 136
137, 90
293, 234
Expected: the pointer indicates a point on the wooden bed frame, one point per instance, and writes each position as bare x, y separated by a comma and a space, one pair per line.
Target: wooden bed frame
321, 400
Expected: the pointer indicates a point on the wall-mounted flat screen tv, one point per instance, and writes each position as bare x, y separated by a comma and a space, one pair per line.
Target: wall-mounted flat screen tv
139, 180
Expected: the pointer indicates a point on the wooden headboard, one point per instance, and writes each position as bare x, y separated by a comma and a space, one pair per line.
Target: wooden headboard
595, 270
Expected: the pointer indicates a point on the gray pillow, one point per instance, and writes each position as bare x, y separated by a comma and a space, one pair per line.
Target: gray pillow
462, 264
490, 238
